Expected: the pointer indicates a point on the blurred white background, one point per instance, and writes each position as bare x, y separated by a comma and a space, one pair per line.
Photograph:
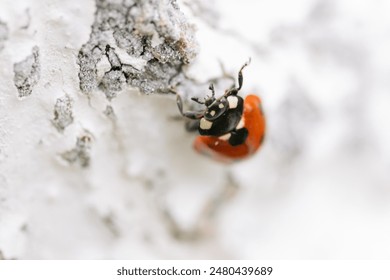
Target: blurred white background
318, 189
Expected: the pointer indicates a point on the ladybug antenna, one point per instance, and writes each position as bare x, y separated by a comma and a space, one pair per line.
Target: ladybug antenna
211, 87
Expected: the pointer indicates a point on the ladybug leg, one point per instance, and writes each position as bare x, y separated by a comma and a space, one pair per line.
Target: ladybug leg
240, 77
192, 125
196, 99
233, 90
211, 87
189, 114
225, 74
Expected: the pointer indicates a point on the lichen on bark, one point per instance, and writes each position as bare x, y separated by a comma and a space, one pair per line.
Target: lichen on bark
27, 73
146, 43
63, 114
80, 154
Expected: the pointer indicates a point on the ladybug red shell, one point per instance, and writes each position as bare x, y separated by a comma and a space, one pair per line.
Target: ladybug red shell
230, 128
220, 149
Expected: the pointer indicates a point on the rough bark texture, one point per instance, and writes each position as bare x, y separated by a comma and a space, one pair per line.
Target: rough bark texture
145, 42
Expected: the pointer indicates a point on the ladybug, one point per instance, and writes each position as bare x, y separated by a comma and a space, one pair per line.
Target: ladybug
230, 127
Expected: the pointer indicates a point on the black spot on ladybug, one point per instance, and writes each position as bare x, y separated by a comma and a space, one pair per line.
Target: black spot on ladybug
238, 137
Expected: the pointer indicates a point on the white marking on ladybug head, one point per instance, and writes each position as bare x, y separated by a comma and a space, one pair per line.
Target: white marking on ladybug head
205, 124
241, 124
221, 105
212, 113
233, 101
225, 137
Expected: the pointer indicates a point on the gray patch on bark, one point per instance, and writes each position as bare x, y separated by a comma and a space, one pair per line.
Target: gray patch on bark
109, 112
112, 82
80, 154
153, 35
63, 115
27, 73
4, 32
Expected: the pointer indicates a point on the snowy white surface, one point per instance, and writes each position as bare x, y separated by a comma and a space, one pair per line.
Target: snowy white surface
318, 189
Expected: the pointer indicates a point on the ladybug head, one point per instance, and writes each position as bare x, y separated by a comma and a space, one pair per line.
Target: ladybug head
214, 107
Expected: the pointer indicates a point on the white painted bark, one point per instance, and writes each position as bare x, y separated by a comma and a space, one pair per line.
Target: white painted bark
91, 168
